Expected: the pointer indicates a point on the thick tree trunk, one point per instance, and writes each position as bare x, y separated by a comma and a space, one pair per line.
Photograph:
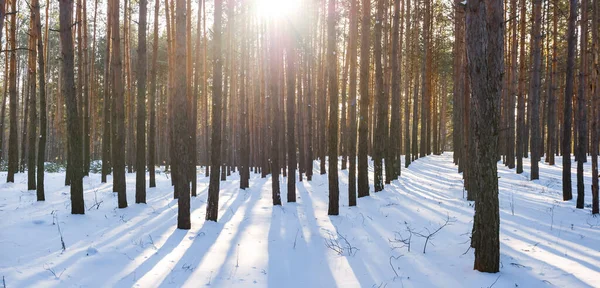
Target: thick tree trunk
535, 90
568, 110
291, 112
382, 102
363, 128
582, 105
43, 114
352, 53
32, 129
152, 102
181, 119
106, 138
520, 141
395, 126
595, 127
334, 186
140, 158
212, 207
68, 91
118, 113
485, 58
13, 146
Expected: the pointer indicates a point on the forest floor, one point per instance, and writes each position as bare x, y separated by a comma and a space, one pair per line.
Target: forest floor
544, 241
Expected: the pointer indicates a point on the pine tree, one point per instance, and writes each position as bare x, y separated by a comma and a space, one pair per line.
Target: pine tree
32, 129
43, 113
382, 102
181, 133
212, 204
140, 159
568, 110
118, 114
485, 21
363, 124
534, 97
582, 105
13, 146
68, 91
334, 186
351, 151
152, 102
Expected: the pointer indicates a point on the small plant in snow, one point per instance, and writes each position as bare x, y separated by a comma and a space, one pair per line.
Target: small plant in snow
339, 244
55, 221
51, 270
399, 240
429, 235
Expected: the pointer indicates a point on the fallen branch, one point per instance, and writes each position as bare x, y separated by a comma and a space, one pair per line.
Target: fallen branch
392, 265
429, 235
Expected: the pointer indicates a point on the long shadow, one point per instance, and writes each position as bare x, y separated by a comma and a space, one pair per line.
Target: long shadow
204, 239
235, 247
519, 256
310, 267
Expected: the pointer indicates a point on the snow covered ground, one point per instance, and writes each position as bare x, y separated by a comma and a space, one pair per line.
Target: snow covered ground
544, 241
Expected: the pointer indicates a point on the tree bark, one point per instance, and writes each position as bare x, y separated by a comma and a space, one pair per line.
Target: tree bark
181, 119
13, 146
485, 58
68, 91
568, 110
43, 114
152, 103
334, 186
363, 128
582, 105
212, 207
140, 158
118, 114
534, 98
352, 53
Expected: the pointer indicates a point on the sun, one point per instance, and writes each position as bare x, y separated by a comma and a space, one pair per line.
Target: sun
275, 9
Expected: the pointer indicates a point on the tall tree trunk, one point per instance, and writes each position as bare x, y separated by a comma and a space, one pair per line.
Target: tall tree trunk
334, 186
535, 90
382, 103
407, 79
291, 112
395, 127
140, 158
595, 131
118, 113
32, 129
68, 91
152, 103
273, 92
363, 128
485, 57
212, 207
512, 87
425, 74
568, 106
106, 138
582, 105
43, 114
552, 129
181, 121
351, 151
13, 146
86, 93
520, 141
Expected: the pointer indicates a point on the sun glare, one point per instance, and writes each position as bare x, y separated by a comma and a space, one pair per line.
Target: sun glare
276, 8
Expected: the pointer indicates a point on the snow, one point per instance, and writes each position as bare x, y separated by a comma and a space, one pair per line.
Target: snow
547, 242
